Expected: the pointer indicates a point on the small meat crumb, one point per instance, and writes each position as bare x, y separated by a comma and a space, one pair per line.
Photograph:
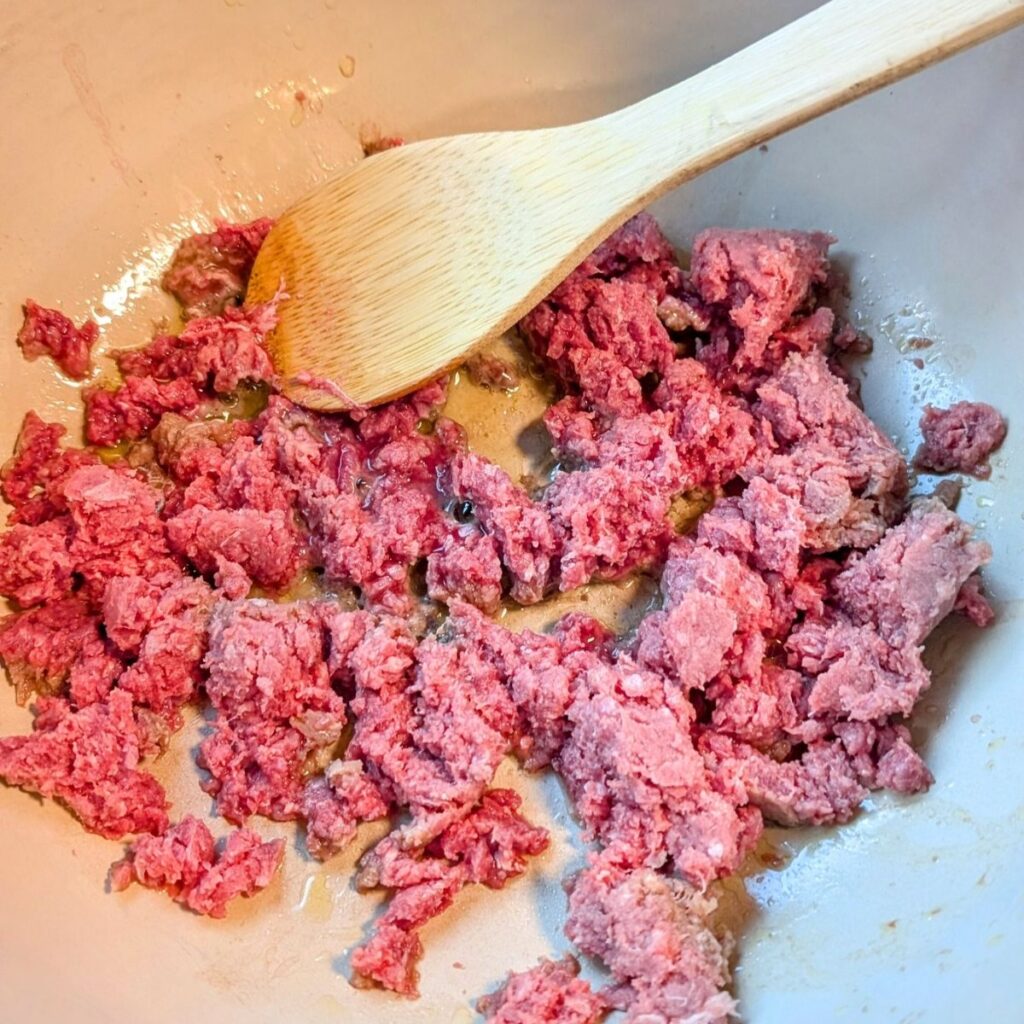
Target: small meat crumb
48, 332
185, 863
492, 373
550, 993
960, 438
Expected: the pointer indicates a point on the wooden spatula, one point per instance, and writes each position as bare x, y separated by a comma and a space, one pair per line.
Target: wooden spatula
395, 269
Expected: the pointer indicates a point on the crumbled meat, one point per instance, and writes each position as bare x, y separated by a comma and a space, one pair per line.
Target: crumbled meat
269, 683
960, 439
520, 527
88, 759
57, 644
210, 271
773, 679
550, 993
48, 332
488, 846
652, 934
185, 863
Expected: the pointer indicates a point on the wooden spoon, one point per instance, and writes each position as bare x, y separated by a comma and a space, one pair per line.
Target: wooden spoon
395, 269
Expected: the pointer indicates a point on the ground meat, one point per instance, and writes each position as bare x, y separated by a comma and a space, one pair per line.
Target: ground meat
467, 567
550, 993
754, 282
489, 846
269, 682
960, 439
848, 478
32, 478
820, 788
607, 522
134, 408
334, 805
520, 528
185, 863
47, 332
88, 760
210, 271
639, 786
652, 934
116, 529
166, 674
772, 681
57, 644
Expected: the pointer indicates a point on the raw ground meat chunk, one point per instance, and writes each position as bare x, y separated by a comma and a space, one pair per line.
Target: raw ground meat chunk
116, 529
652, 934
185, 863
638, 784
89, 761
467, 567
334, 805
550, 993
210, 271
599, 329
520, 528
489, 846
960, 439
269, 683
866, 660
166, 674
45, 648
607, 522
754, 282
32, 477
133, 409
35, 566
822, 787
848, 478
48, 332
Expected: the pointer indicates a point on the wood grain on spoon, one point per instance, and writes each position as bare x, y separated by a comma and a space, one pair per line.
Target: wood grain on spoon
397, 268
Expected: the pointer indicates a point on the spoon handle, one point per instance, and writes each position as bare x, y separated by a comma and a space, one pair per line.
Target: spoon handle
839, 51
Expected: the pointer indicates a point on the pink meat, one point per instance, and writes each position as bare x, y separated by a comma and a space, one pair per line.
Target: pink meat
247, 544
520, 528
822, 787
638, 784
334, 805
755, 282
489, 846
715, 433
211, 271
212, 353
467, 567
550, 993
607, 522
269, 683
116, 530
186, 864
35, 565
89, 761
31, 480
166, 674
134, 409
960, 438
652, 933
48, 332
57, 644
491, 372
848, 478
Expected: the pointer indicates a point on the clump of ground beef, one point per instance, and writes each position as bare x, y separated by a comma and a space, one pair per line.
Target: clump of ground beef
550, 993
960, 438
772, 680
186, 864
48, 332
